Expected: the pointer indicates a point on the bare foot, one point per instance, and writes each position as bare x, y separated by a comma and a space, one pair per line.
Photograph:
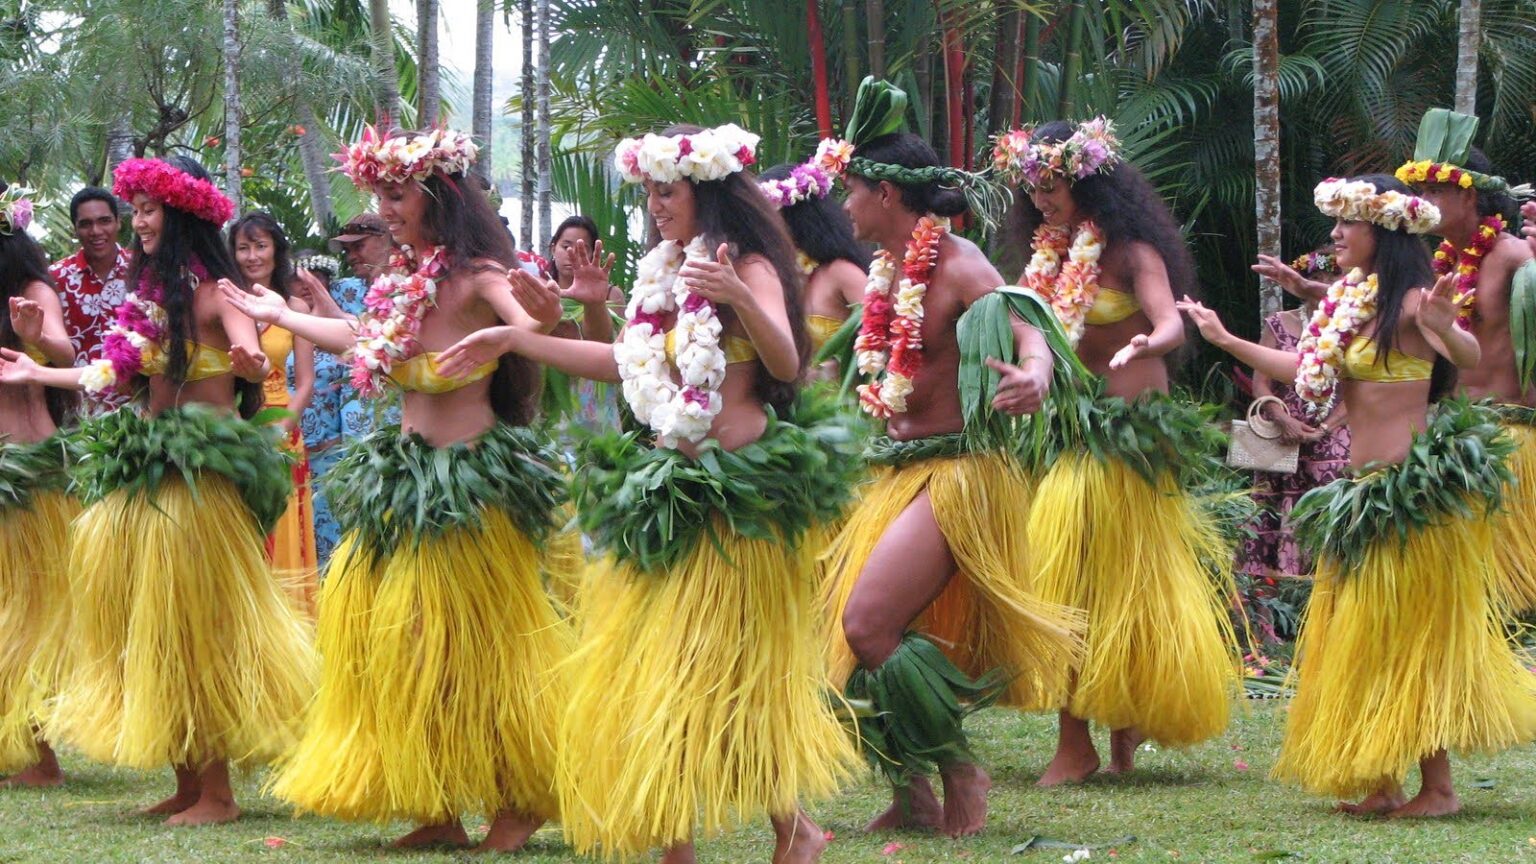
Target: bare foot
682, 853
912, 807
798, 840
449, 834
209, 810
1428, 804
1381, 802
1122, 750
1069, 767
189, 788
965, 799
37, 776
509, 831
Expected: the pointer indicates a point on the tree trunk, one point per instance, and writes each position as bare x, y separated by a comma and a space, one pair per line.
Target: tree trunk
316, 167
850, 57
525, 223
119, 143
819, 69
542, 73
1005, 82
1266, 141
954, 90
382, 51
232, 156
874, 20
1028, 69
429, 71
1467, 45
482, 123
1072, 64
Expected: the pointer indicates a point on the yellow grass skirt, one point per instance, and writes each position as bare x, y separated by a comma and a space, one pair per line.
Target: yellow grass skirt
1401, 657
698, 699
989, 616
1162, 656
34, 617
440, 691
1514, 529
185, 649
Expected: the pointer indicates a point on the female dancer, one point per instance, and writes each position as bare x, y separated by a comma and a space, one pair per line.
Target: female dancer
835, 266
261, 250
439, 691
34, 511
1403, 655
186, 652
1116, 533
698, 696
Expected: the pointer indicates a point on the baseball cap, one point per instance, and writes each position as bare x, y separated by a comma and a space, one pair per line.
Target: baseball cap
359, 227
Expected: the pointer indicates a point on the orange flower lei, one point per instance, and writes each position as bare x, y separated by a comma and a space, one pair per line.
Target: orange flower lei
1468, 263
890, 344
1072, 286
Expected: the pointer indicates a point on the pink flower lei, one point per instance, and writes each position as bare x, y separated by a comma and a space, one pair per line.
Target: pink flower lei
138, 335
393, 308
172, 187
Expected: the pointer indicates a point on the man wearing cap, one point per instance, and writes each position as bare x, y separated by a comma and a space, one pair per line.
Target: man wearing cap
1496, 285
92, 283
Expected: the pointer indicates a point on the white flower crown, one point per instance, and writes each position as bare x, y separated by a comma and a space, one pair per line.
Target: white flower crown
712, 154
1358, 201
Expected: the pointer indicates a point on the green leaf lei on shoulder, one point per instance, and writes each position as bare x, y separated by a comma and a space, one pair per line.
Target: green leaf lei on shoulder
126, 451
651, 506
395, 489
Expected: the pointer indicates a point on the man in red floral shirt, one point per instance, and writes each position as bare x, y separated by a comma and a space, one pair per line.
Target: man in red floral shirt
93, 282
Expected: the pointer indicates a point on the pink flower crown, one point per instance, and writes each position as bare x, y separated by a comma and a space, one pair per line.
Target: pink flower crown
712, 154
15, 210
172, 187
377, 159
804, 183
1021, 160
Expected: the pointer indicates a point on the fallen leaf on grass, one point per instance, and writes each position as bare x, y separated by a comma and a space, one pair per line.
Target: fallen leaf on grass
1275, 855
892, 848
1038, 842
1482, 783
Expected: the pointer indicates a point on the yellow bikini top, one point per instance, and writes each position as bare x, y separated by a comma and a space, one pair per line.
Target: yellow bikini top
419, 375
1111, 307
277, 344
36, 354
737, 349
202, 363
822, 328
1361, 363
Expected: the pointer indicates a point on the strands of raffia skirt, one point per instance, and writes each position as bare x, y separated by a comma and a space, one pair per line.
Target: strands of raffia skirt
441, 689
1402, 656
295, 559
698, 698
1512, 527
1162, 654
990, 615
185, 649
34, 618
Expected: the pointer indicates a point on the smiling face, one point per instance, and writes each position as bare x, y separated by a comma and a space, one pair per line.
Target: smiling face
1354, 245
672, 207
403, 207
96, 229
148, 221
256, 254
1053, 199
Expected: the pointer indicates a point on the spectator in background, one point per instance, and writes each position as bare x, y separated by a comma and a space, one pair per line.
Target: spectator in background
92, 283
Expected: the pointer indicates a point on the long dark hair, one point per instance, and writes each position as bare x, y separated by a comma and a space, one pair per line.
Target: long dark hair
184, 237
910, 151
460, 217
585, 223
821, 229
23, 262
1402, 265
734, 211
282, 250
1126, 207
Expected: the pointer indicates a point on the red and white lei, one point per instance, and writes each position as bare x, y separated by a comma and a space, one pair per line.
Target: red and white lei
889, 349
1349, 306
394, 307
1071, 288
1468, 263
676, 411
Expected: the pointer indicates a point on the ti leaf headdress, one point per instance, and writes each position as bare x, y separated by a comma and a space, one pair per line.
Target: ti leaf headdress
1445, 140
880, 108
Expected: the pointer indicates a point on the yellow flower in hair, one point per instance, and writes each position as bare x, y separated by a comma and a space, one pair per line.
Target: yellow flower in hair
1466, 181
1443, 175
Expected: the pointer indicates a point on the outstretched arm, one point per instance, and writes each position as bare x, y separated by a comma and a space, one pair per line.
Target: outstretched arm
38, 318
19, 369
1273, 362
266, 306
1436, 317
593, 360
1155, 297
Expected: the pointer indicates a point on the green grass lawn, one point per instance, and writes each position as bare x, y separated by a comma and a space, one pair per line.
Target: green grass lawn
1211, 803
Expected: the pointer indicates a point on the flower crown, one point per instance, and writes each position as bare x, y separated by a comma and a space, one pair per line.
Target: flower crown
1358, 201
15, 210
1021, 160
377, 159
712, 154
812, 179
1316, 262
172, 187
320, 262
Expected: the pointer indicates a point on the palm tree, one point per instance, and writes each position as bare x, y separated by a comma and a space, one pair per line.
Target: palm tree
525, 224
1266, 140
232, 118
387, 100
430, 73
485, 37
1470, 29
541, 76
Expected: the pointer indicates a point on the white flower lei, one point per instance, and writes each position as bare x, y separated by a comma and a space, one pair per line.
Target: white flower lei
675, 411
1349, 306
1071, 290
